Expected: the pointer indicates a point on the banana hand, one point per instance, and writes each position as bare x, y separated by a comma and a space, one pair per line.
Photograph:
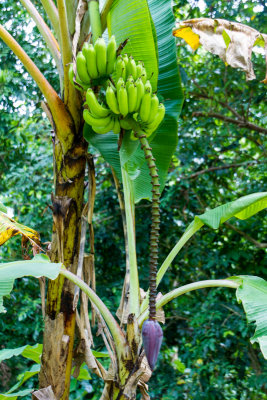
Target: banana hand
95, 108
104, 129
93, 121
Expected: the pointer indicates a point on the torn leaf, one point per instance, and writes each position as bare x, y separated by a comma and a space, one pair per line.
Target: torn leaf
9, 227
231, 41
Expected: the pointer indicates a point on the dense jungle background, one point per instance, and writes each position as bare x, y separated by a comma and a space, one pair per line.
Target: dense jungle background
219, 157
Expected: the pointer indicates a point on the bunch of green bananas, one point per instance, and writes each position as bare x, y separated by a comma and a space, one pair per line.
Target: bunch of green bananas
94, 62
133, 96
99, 117
126, 66
129, 100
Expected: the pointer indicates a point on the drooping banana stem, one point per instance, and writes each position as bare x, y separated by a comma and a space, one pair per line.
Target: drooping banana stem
154, 234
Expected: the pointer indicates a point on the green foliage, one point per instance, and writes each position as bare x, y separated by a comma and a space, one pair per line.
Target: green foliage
39, 266
230, 369
253, 294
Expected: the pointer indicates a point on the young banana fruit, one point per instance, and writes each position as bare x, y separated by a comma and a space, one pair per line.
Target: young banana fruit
111, 55
158, 118
88, 51
101, 56
82, 68
112, 101
96, 109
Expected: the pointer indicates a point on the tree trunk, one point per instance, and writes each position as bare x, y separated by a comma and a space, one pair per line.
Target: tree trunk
67, 205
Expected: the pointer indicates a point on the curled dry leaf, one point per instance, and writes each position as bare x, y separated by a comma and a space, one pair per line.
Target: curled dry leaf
9, 227
231, 41
44, 394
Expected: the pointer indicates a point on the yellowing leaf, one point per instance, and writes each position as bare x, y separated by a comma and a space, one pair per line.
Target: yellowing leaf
231, 41
189, 36
9, 227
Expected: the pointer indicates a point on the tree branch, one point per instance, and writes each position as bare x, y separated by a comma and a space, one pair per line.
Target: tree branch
248, 237
222, 103
204, 171
241, 123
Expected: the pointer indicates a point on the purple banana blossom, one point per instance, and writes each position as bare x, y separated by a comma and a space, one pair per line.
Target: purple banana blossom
152, 337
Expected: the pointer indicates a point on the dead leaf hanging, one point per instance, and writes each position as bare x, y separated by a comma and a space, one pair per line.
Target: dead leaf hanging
231, 41
9, 227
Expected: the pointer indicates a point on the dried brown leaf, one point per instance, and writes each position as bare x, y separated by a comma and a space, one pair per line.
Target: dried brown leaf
231, 41
44, 394
9, 227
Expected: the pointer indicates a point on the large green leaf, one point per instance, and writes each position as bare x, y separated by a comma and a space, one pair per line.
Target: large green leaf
31, 352
131, 20
169, 87
253, 294
14, 396
37, 267
242, 208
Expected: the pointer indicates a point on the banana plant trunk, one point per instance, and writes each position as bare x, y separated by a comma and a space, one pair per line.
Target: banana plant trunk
70, 151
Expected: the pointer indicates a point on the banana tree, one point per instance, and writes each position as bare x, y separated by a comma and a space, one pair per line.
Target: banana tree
138, 145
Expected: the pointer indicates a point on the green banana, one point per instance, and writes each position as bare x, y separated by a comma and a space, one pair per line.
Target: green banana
125, 59
120, 68
88, 51
81, 86
129, 81
157, 119
154, 108
104, 129
117, 126
91, 120
139, 69
144, 75
111, 55
125, 124
140, 93
132, 97
95, 108
82, 68
148, 86
131, 67
101, 56
111, 100
123, 100
119, 83
145, 106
